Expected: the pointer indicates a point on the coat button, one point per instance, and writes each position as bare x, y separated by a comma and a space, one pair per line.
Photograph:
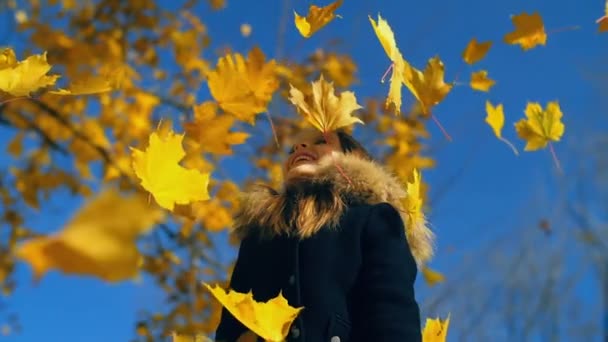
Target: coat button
335, 339
295, 332
292, 280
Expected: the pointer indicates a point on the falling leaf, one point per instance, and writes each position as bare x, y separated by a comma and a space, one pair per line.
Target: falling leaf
243, 88
23, 77
316, 18
480, 81
475, 51
212, 131
495, 117
540, 126
414, 203
529, 31
245, 30
603, 21
160, 173
435, 330
270, 320
432, 277
387, 40
327, 112
428, 87
85, 86
100, 240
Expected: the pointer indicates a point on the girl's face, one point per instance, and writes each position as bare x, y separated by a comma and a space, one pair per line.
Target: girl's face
310, 146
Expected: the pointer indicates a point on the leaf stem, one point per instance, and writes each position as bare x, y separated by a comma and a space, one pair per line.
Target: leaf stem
510, 145
386, 72
445, 133
562, 29
555, 159
274, 132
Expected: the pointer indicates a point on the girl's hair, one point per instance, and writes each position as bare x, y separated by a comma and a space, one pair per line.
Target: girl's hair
351, 145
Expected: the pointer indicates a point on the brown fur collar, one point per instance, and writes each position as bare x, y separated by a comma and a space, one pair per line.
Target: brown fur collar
305, 208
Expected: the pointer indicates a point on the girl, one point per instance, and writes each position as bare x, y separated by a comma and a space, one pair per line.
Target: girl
332, 241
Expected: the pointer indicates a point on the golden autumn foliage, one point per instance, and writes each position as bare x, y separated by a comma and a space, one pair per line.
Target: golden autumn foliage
136, 125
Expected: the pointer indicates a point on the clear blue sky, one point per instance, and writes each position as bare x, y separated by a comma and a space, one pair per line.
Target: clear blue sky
484, 202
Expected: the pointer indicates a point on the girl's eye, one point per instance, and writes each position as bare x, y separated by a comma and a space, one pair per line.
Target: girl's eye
320, 141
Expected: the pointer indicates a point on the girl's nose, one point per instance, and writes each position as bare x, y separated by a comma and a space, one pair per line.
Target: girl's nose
300, 145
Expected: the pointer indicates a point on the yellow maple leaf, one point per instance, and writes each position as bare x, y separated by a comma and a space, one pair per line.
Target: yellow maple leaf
326, 111
432, 277
540, 126
399, 65
529, 31
429, 86
603, 21
160, 173
435, 330
270, 320
243, 87
474, 52
316, 18
495, 117
211, 131
480, 81
100, 240
23, 77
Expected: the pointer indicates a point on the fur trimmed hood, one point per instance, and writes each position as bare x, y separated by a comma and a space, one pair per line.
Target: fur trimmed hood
326, 198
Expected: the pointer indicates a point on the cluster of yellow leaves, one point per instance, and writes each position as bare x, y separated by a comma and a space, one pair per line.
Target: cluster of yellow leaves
538, 129
95, 242
211, 132
21, 78
270, 320
428, 87
243, 87
326, 111
387, 40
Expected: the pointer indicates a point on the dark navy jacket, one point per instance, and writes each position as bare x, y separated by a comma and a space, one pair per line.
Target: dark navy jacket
355, 282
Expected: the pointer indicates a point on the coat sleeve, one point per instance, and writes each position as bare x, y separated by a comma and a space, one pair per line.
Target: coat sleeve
229, 328
389, 272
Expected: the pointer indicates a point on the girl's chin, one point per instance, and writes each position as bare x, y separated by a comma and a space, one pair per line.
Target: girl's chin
305, 169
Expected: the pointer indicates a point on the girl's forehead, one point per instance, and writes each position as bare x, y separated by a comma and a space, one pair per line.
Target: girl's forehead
307, 134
